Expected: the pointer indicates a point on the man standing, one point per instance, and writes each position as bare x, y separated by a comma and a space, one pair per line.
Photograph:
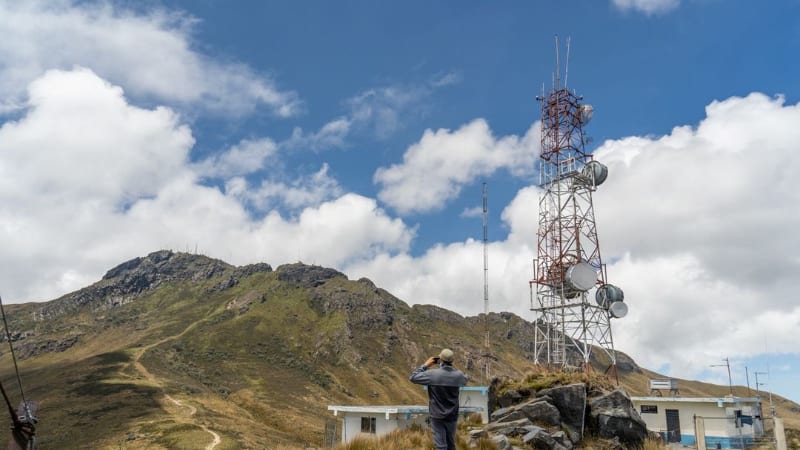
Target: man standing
443, 387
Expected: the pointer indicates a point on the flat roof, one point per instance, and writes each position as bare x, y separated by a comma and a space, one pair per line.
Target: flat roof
699, 399
394, 409
482, 389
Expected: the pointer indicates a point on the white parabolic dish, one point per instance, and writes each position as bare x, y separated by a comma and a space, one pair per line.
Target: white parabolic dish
618, 310
581, 276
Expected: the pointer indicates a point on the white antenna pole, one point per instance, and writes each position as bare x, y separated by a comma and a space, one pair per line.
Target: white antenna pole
487, 351
557, 84
566, 70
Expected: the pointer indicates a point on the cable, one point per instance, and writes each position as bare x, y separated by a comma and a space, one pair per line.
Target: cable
29, 417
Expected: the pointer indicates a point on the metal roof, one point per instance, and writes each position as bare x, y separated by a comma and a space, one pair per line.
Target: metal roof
732, 400
394, 409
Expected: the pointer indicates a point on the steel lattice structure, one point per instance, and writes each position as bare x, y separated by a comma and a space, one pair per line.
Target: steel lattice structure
569, 324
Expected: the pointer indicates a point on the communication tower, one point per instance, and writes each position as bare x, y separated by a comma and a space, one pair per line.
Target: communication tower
568, 270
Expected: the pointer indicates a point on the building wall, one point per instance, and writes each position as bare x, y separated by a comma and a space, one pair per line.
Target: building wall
719, 420
477, 399
351, 425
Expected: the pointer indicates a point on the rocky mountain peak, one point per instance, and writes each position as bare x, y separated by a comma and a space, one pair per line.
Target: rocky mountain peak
126, 281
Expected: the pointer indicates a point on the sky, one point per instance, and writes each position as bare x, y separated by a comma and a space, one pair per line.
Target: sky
357, 135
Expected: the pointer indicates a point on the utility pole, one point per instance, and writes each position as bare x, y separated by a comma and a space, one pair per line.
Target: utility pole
747, 375
771, 406
728, 365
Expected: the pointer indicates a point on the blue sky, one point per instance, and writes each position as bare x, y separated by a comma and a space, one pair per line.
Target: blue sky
357, 135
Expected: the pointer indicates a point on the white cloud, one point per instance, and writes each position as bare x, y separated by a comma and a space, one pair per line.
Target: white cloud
648, 7
80, 141
696, 226
331, 135
248, 156
87, 181
435, 169
300, 193
150, 54
376, 111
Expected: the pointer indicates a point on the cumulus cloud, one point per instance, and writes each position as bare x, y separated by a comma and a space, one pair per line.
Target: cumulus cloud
435, 169
648, 7
150, 54
696, 226
88, 180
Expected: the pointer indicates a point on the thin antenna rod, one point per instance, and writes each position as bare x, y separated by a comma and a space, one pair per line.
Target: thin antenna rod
566, 70
486, 343
557, 84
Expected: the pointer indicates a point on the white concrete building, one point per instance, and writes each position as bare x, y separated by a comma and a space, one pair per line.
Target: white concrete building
730, 422
380, 420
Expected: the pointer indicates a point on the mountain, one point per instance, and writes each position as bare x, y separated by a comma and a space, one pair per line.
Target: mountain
179, 350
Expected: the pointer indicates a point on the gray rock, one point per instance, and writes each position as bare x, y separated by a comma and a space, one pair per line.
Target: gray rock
563, 439
613, 416
514, 423
513, 428
541, 439
540, 411
500, 413
502, 442
571, 403
511, 415
477, 434
509, 398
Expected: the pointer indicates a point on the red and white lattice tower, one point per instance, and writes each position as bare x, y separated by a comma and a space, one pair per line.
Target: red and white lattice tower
573, 302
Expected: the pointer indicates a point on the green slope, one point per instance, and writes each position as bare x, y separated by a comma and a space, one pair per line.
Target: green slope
182, 351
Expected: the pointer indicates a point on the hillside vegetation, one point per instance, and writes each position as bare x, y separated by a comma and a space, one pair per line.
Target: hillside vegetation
174, 350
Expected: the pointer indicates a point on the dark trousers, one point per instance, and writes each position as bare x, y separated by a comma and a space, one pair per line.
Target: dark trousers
444, 434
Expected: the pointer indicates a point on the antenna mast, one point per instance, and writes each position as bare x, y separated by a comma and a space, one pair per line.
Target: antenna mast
487, 351
569, 267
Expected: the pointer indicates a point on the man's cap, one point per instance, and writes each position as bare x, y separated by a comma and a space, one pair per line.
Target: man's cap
446, 355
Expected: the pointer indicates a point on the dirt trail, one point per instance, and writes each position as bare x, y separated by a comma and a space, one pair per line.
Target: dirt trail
192, 411
151, 379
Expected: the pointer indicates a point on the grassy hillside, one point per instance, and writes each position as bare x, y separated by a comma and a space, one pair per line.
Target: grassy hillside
182, 351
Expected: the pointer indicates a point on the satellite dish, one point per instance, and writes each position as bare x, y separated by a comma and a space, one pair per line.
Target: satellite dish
586, 111
618, 310
608, 294
581, 276
596, 172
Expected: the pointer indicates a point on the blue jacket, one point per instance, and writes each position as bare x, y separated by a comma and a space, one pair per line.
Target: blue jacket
443, 384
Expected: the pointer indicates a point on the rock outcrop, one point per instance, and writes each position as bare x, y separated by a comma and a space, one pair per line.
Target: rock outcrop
557, 418
128, 280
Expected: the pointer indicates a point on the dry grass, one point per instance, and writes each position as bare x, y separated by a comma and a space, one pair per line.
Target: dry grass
594, 443
414, 437
542, 378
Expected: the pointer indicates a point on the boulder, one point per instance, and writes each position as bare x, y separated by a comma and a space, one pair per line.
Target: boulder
613, 416
540, 411
511, 414
502, 442
571, 403
509, 398
512, 428
541, 439
563, 439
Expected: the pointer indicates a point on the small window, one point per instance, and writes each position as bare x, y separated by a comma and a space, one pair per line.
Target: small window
649, 409
368, 425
